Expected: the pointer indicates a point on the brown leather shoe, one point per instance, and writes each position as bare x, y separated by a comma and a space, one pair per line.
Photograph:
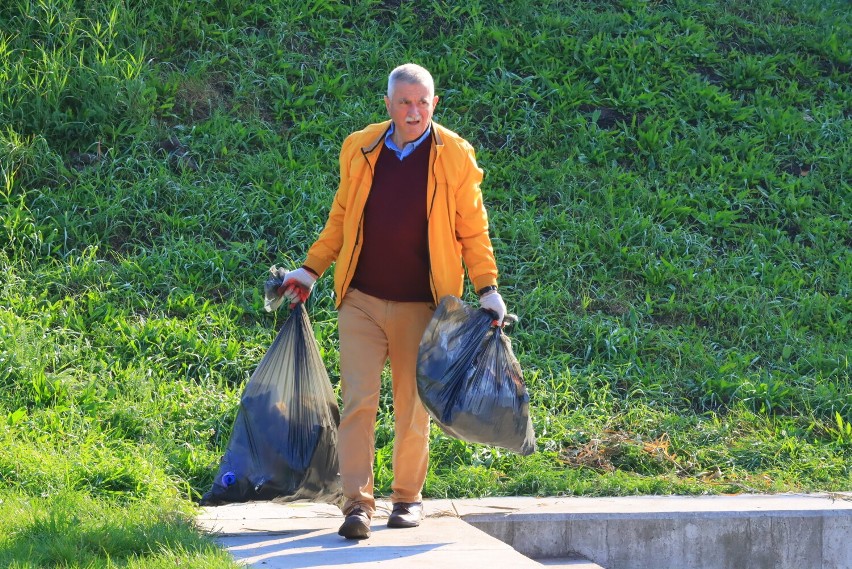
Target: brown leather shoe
406, 515
356, 525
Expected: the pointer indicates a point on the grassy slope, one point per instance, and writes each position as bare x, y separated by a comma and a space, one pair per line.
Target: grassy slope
668, 185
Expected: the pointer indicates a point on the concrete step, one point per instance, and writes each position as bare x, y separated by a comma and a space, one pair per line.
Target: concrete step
276, 536
660, 532
675, 532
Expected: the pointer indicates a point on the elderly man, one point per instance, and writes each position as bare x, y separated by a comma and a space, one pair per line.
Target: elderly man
406, 220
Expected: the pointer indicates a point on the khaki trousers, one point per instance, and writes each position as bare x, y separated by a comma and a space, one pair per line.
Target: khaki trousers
373, 331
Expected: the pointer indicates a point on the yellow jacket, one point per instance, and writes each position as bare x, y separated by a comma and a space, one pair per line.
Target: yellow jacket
458, 223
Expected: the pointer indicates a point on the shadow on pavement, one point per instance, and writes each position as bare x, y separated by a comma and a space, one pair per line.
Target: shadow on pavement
319, 548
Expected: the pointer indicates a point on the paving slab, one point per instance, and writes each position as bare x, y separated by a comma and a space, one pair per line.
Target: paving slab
756, 531
286, 536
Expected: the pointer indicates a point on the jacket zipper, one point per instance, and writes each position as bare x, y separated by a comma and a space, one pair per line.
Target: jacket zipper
429, 213
350, 267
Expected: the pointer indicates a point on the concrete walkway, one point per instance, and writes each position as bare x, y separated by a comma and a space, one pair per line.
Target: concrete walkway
660, 532
288, 536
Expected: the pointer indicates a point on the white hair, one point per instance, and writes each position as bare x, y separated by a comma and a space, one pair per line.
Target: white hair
412, 74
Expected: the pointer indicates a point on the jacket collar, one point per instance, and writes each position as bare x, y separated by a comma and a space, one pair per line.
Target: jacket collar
437, 139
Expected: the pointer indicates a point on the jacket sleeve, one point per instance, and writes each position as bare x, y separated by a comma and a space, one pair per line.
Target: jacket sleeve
472, 223
325, 249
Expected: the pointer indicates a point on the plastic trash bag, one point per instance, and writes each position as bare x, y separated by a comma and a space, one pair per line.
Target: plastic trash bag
470, 380
271, 298
283, 446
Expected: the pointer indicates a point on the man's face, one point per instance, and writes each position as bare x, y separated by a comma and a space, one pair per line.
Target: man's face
410, 107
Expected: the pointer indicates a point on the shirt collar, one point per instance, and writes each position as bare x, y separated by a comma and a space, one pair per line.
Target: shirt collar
410, 147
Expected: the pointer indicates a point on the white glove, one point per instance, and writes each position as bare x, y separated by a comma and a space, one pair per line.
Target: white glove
493, 303
297, 285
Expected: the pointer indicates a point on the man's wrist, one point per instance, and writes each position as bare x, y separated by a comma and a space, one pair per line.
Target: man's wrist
486, 290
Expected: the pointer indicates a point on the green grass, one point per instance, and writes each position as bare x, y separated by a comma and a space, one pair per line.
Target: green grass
73, 530
669, 195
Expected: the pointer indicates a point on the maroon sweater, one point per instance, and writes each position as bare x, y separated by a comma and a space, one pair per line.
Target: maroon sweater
394, 260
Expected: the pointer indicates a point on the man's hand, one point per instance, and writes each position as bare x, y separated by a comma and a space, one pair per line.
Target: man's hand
493, 303
297, 286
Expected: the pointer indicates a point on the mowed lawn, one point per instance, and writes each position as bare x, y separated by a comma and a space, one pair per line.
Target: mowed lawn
668, 186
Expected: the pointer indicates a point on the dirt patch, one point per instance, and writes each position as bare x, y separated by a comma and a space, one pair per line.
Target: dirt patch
606, 117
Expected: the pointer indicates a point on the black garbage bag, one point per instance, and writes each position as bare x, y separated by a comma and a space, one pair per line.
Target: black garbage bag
470, 380
283, 445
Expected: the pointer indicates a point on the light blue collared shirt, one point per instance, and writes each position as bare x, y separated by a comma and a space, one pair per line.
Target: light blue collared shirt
410, 147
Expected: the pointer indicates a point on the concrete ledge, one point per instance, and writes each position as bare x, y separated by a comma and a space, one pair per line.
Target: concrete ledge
674, 532
268, 535
648, 532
